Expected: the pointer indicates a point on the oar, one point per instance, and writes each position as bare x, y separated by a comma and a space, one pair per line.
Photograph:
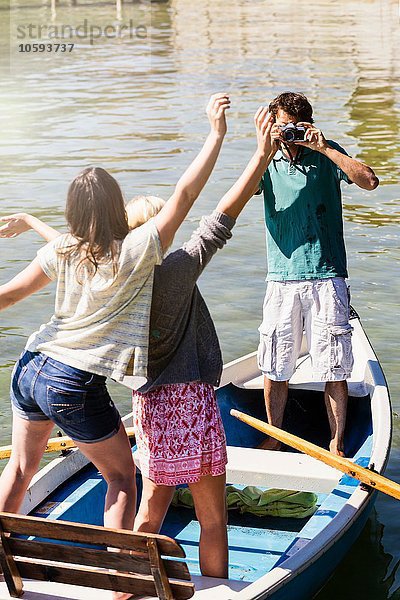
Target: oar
56, 444
374, 480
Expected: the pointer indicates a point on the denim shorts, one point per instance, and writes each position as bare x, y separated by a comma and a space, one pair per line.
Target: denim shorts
78, 402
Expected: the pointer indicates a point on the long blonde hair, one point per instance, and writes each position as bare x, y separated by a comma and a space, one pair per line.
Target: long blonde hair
97, 218
142, 208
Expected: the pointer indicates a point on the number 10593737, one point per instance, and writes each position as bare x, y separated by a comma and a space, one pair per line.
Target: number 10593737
34, 48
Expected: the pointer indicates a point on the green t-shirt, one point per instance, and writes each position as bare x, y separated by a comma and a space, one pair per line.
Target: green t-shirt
303, 216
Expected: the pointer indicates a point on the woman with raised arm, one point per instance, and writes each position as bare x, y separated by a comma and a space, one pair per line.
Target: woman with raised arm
178, 428
104, 276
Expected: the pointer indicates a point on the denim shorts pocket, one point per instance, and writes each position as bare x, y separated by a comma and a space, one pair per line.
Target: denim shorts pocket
66, 406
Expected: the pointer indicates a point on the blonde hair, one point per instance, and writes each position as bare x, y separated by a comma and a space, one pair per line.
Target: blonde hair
142, 208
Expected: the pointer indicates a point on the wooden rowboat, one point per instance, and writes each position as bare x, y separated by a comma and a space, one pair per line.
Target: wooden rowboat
271, 557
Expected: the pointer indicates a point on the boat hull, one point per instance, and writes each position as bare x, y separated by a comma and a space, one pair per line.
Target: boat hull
307, 583
300, 569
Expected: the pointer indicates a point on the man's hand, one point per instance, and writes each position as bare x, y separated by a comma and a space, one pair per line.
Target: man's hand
356, 171
313, 138
15, 225
216, 108
264, 122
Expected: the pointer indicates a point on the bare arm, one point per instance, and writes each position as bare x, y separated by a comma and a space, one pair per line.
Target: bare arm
240, 193
196, 176
27, 282
20, 222
356, 171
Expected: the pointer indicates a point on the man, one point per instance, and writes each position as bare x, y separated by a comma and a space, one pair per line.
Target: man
307, 263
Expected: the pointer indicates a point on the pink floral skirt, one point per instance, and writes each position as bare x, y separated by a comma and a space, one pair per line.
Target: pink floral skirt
179, 433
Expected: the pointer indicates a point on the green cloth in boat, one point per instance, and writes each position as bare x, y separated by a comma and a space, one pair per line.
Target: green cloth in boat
272, 503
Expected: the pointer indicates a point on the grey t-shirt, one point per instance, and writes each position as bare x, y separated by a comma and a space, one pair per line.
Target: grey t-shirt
183, 343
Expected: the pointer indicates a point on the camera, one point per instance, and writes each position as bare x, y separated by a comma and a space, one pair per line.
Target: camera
293, 133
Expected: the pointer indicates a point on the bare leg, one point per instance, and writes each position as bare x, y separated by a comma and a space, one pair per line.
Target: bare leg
153, 506
275, 396
152, 510
29, 439
210, 504
113, 458
336, 395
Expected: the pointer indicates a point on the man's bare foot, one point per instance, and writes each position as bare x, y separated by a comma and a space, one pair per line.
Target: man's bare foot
335, 449
269, 444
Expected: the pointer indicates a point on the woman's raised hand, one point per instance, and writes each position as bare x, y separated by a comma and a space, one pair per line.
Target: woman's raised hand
264, 121
216, 108
14, 225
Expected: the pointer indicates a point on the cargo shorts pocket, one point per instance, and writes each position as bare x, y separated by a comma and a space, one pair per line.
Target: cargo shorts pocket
66, 407
340, 348
266, 354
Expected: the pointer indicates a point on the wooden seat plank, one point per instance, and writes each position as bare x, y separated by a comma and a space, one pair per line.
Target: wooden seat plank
86, 577
87, 534
93, 558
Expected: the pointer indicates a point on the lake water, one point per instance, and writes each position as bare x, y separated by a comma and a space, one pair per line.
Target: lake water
135, 105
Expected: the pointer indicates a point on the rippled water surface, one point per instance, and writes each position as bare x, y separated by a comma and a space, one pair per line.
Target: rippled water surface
135, 105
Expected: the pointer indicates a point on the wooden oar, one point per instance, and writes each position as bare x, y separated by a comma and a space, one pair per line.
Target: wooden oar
374, 480
56, 444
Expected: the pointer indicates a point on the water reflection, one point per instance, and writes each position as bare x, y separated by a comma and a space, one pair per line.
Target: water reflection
365, 572
366, 215
373, 109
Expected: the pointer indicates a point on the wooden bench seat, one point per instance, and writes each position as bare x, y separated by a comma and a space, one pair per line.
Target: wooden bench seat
282, 470
94, 560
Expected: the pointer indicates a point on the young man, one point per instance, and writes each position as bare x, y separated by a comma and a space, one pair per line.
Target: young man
307, 263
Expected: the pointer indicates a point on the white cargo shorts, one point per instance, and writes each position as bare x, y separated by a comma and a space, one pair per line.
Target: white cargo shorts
320, 308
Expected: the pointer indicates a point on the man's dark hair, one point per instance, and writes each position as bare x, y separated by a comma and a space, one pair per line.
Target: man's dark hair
295, 104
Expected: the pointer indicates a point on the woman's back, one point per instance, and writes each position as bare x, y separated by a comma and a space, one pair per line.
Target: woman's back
101, 319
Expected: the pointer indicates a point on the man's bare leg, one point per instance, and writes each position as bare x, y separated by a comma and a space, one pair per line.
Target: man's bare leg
336, 395
275, 396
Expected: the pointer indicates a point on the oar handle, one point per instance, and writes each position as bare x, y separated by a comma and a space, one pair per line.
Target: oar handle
374, 480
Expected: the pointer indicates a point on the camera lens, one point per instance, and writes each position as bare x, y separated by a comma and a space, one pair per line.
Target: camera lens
289, 136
